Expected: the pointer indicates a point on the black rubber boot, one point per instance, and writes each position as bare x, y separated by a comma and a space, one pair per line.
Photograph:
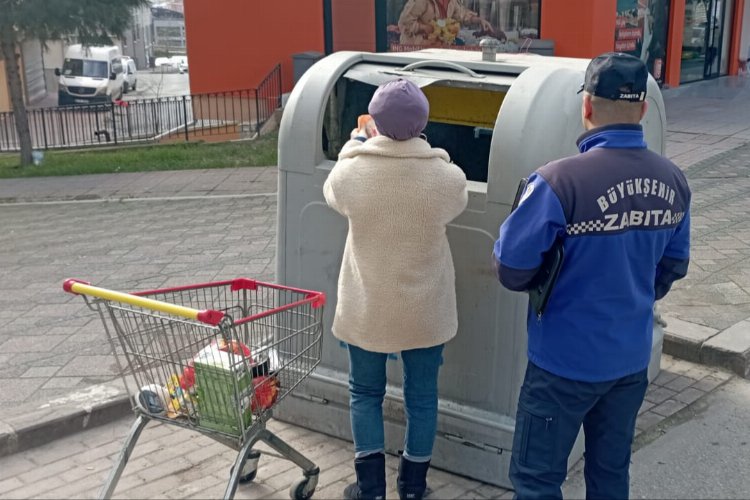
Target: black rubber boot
412, 479
370, 483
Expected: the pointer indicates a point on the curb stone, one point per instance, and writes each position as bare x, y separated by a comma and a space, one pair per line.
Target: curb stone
728, 348
32, 425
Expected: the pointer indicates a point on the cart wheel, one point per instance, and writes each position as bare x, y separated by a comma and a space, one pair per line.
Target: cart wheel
299, 491
250, 469
250, 477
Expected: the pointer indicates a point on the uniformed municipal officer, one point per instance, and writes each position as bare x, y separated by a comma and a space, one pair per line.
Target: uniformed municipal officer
622, 216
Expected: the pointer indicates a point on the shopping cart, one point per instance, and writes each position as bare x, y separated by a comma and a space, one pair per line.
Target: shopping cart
215, 358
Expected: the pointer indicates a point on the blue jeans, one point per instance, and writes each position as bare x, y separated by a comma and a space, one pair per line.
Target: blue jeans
367, 389
551, 410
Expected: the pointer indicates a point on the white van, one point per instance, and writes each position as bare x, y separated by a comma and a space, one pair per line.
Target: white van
90, 74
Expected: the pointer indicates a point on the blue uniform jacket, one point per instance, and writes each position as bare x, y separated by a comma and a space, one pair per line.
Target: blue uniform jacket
623, 214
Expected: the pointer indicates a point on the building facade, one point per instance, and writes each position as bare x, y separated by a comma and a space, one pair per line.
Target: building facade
681, 41
137, 41
175, 5
37, 63
234, 44
168, 32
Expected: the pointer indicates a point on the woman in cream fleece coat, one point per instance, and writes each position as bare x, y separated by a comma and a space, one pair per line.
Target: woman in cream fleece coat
396, 289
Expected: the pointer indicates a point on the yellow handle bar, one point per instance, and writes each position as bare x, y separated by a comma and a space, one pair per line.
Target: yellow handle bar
208, 316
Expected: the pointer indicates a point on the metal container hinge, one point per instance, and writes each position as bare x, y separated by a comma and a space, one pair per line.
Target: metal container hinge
473, 444
310, 397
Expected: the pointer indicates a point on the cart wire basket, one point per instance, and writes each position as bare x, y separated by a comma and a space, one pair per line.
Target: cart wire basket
215, 358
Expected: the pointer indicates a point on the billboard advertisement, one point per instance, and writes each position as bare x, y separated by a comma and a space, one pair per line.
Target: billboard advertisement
641, 31
418, 24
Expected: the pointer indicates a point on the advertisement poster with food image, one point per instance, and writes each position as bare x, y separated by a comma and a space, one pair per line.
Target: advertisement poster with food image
457, 24
641, 31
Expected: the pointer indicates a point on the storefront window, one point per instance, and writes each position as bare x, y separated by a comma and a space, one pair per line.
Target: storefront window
416, 24
641, 30
694, 40
705, 45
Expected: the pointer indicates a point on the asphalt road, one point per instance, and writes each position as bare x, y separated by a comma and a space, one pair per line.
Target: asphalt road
707, 456
155, 83
701, 452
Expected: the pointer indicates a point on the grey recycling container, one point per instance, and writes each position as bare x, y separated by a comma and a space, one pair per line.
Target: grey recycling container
499, 121
302, 61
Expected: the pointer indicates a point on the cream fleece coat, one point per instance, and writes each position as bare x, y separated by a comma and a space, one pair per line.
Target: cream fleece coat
396, 287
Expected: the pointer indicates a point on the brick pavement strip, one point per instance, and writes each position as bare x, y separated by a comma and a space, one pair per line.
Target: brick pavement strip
689, 395
679, 383
647, 420
10, 484
645, 406
192, 458
668, 408
709, 383
657, 394
334, 491
168, 471
37, 489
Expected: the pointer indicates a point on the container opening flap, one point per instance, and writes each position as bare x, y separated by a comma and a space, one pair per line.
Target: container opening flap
461, 121
376, 75
424, 73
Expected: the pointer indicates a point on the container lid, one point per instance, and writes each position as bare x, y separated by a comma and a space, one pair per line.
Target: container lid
377, 74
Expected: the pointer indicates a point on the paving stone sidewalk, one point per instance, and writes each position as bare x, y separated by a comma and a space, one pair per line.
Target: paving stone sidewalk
170, 462
709, 309
705, 119
709, 137
51, 343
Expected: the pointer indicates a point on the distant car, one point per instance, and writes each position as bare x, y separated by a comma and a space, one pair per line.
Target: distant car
160, 62
181, 63
178, 63
129, 70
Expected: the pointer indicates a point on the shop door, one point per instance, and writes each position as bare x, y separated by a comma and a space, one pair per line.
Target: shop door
705, 44
714, 38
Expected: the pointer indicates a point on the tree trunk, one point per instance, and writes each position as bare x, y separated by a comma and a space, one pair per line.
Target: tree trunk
13, 72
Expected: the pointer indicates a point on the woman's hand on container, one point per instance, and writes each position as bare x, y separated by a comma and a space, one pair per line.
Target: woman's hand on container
369, 129
366, 128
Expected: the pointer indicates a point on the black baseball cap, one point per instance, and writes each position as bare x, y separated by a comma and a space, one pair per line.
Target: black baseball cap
616, 76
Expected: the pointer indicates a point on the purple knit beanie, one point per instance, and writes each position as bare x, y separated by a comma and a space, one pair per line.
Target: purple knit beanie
400, 110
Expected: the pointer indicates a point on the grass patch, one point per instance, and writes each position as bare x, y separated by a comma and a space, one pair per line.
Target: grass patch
182, 156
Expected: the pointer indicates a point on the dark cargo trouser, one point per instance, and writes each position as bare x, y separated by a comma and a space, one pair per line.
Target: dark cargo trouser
551, 410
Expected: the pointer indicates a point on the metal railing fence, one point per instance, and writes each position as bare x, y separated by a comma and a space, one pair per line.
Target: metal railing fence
212, 116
